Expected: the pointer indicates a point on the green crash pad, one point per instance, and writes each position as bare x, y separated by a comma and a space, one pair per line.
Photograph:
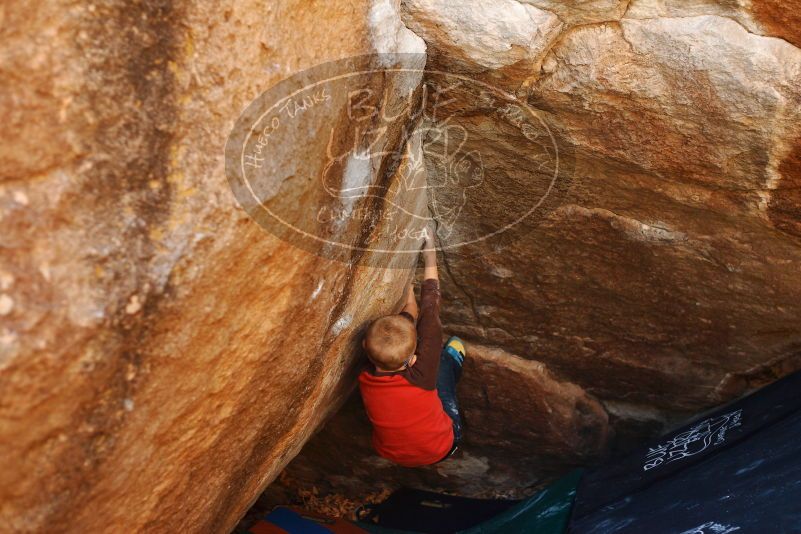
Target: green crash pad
546, 512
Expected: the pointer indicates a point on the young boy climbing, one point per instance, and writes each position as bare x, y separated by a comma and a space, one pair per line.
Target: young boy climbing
409, 384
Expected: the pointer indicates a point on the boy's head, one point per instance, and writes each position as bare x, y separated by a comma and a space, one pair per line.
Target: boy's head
390, 341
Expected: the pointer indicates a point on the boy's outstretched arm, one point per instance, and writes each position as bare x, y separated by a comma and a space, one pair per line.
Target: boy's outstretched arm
429, 328
430, 258
410, 305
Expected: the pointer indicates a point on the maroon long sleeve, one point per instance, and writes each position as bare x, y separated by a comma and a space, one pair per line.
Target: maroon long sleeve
429, 338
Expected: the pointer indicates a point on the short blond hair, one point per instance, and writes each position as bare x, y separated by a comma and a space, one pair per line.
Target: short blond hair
390, 341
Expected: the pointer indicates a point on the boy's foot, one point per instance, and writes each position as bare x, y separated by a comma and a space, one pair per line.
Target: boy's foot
455, 348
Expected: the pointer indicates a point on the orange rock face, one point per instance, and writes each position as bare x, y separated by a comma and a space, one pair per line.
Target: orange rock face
161, 356
779, 18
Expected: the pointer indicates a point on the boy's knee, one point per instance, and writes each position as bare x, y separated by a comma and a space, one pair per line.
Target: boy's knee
455, 349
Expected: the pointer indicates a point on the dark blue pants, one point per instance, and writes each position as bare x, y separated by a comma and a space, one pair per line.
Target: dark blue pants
450, 371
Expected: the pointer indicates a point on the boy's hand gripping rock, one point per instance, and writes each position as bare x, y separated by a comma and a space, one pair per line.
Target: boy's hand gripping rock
430, 255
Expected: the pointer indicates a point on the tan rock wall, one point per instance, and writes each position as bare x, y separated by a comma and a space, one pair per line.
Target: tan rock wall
661, 274
667, 270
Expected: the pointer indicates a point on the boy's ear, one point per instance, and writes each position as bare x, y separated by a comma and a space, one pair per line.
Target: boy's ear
364, 344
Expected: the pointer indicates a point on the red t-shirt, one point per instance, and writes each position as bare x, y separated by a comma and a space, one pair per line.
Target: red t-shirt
409, 425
